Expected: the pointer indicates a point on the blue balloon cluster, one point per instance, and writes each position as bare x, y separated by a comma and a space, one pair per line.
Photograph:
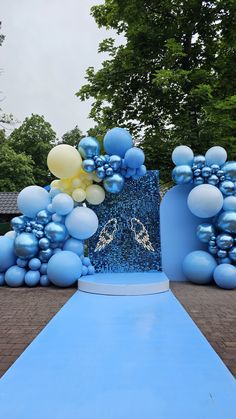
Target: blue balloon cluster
45, 247
122, 161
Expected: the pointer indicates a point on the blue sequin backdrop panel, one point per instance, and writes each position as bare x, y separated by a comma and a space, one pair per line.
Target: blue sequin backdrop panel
128, 237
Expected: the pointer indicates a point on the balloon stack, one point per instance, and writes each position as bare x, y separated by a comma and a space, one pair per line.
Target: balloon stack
213, 197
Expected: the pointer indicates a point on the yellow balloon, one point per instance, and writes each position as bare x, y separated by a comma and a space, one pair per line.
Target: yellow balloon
55, 183
76, 182
64, 161
96, 179
95, 194
79, 195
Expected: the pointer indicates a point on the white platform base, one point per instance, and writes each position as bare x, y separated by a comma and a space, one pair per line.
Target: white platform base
135, 283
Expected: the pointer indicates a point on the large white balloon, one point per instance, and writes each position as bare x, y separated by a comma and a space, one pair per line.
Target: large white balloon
205, 201
182, 155
216, 155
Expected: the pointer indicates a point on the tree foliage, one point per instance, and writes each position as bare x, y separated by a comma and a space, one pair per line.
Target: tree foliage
35, 137
72, 137
174, 79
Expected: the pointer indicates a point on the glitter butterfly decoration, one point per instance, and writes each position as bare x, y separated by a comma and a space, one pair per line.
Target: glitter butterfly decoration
107, 234
141, 234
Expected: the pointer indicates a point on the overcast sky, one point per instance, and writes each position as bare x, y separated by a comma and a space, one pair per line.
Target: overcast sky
48, 46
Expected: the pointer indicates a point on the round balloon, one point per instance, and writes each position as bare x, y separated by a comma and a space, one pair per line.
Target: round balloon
74, 245
18, 224
32, 199
89, 165
81, 223
114, 183
224, 241
182, 155
225, 276
79, 195
134, 158
198, 266
7, 254
91, 270
86, 261
182, 175
230, 203
216, 155
227, 222
10, 234
43, 268
205, 231
95, 194
115, 162
229, 169
26, 245
22, 263
32, 278
232, 254
2, 279
227, 187
64, 161
117, 141
205, 201
89, 147
14, 276
62, 204
44, 281
55, 232
34, 264
43, 217
84, 270
64, 268
199, 162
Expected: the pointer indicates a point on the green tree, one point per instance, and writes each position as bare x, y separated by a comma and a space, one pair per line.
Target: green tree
72, 137
35, 137
173, 81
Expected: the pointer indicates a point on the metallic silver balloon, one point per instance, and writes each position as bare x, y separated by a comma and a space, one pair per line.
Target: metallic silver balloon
18, 224
26, 245
227, 188
55, 232
89, 147
213, 180
115, 162
199, 161
232, 254
114, 183
229, 169
44, 243
182, 175
224, 241
205, 232
227, 222
88, 165
43, 217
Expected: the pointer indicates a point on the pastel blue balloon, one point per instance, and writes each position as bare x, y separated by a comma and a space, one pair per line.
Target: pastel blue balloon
81, 223
227, 222
114, 183
57, 218
117, 141
44, 243
43, 268
227, 187
64, 268
100, 172
86, 261
229, 169
45, 255
18, 224
182, 155
84, 271
115, 162
141, 171
32, 199
232, 254
134, 157
44, 281
74, 245
43, 217
54, 192
89, 147
2, 279
91, 270
7, 254
216, 155
49, 208
88, 165
230, 203
182, 175
26, 245
198, 267
10, 234
22, 263
225, 276
223, 260
35, 264
62, 204
205, 231
205, 201
32, 278
55, 232
224, 241
57, 250
14, 276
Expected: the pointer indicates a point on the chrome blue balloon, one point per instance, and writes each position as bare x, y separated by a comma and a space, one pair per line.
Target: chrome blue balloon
109, 171
215, 168
205, 232
222, 253
89, 165
28, 229
114, 183
100, 172
197, 172
18, 224
198, 180
227, 222
227, 188
206, 171
45, 255
44, 243
199, 161
115, 162
232, 254
224, 241
55, 232
213, 180
26, 245
220, 261
229, 169
213, 250
43, 217
182, 175
39, 234
89, 147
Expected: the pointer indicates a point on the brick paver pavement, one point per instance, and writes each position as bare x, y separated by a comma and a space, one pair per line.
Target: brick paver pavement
24, 312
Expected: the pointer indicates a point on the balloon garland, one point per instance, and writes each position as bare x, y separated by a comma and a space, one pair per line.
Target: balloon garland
213, 196
46, 244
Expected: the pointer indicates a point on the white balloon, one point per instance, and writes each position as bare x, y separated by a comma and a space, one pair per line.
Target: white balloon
182, 155
205, 201
216, 155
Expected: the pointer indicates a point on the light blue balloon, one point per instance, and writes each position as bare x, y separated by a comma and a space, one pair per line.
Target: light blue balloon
32, 199
230, 203
57, 250
182, 175
205, 231
62, 204
54, 192
141, 171
32, 278
49, 208
199, 161
55, 232
134, 158
58, 218
45, 255
86, 261
89, 147
232, 254
227, 188
34, 264
18, 224
43, 217
117, 141
81, 223
26, 245
227, 222
229, 169
198, 267
91, 270
44, 243
223, 260
114, 183
225, 276
182, 155
74, 245
44, 281
7, 254
216, 155
2, 279
14, 276
224, 241
64, 268
84, 271
89, 165
205, 201
115, 162
43, 268
22, 263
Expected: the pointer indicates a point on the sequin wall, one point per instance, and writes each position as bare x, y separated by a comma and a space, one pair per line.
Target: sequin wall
128, 237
